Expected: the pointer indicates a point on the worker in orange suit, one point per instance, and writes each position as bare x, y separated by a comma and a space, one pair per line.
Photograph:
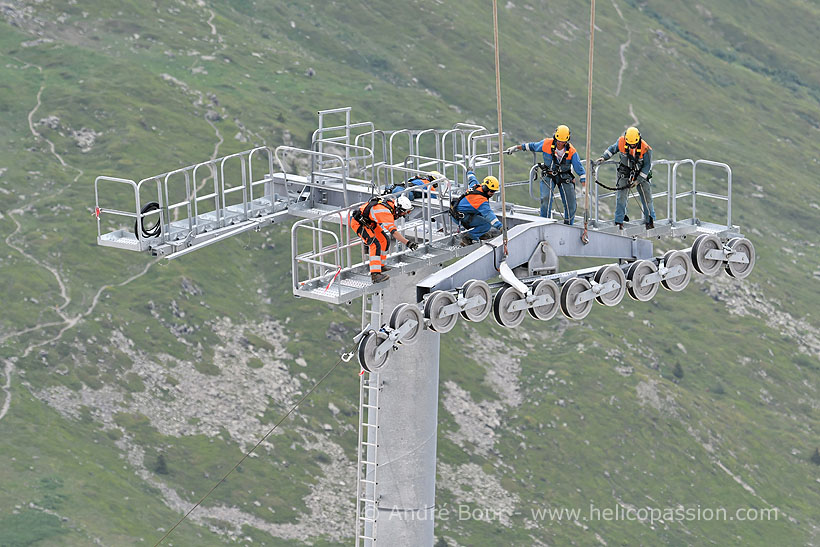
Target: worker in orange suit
374, 222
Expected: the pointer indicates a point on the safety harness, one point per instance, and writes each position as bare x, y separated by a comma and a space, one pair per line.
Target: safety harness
631, 161
563, 174
362, 215
405, 185
459, 215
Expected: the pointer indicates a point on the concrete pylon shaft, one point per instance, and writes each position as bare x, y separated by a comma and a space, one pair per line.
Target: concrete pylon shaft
408, 421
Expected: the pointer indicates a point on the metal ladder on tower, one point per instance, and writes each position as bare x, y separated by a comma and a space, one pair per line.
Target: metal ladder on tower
370, 385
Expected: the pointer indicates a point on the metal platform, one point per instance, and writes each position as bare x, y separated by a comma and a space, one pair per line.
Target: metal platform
431, 288
349, 162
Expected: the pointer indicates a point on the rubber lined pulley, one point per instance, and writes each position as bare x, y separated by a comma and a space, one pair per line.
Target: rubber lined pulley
402, 314
150, 228
477, 288
606, 274
432, 312
703, 244
635, 275
367, 352
545, 312
679, 282
501, 307
570, 292
739, 269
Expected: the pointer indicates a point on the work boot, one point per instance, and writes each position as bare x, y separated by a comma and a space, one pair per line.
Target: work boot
466, 241
650, 224
493, 233
378, 277
620, 226
386, 268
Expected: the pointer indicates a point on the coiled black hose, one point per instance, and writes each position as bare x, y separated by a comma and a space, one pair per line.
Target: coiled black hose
150, 228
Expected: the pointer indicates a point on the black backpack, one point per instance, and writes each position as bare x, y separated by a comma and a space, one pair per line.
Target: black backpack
454, 212
363, 216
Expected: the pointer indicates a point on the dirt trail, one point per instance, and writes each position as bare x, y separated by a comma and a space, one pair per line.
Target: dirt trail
622, 50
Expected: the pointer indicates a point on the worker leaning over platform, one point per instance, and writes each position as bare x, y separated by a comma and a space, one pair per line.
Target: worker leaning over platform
560, 158
374, 223
634, 170
472, 210
429, 181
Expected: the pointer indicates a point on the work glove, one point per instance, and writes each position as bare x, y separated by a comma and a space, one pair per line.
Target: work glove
511, 150
412, 245
600, 160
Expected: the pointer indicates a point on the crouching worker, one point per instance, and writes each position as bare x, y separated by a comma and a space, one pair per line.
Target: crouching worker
374, 222
429, 181
472, 210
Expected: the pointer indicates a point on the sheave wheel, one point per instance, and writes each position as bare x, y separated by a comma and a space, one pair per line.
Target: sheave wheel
367, 352
607, 274
677, 258
547, 311
737, 269
401, 315
635, 275
703, 244
432, 310
474, 288
569, 293
501, 304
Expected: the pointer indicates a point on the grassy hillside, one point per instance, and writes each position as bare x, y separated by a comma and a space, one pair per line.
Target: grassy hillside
132, 385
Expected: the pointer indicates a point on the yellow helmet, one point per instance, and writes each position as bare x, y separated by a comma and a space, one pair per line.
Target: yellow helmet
435, 175
632, 135
491, 183
561, 133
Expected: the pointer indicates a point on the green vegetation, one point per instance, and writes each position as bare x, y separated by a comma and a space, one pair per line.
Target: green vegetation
28, 527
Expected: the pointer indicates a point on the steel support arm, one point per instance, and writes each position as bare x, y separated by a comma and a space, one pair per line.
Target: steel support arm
484, 262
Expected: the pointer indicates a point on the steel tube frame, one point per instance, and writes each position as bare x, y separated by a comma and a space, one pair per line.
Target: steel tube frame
312, 182
727, 197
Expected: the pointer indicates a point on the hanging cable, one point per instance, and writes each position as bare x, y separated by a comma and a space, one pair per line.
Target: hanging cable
584, 236
271, 430
500, 131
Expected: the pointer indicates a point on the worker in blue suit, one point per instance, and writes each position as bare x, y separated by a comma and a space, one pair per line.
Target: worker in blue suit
634, 171
419, 183
560, 159
472, 210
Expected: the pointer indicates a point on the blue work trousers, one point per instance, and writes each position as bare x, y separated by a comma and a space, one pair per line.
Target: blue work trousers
567, 192
644, 193
476, 224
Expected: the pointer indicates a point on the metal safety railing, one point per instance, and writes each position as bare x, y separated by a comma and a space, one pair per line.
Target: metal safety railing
694, 192
312, 182
180, 190
195, 201
599, 196
137, 214
324, 246
670, 194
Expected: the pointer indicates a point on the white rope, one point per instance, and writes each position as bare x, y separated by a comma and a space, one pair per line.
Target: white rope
589, 117
500, 131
